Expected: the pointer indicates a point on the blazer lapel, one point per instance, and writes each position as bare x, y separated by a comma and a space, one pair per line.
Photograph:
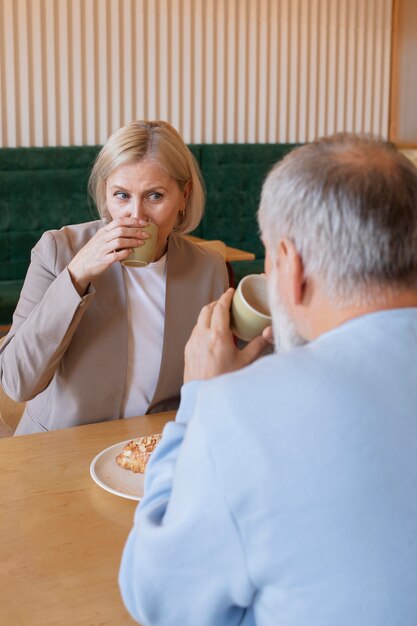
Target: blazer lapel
178, 320
113, 318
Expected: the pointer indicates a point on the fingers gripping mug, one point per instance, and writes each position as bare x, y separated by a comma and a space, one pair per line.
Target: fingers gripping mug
142, 255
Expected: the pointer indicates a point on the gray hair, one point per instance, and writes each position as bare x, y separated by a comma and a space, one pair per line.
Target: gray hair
349, 204
156, 141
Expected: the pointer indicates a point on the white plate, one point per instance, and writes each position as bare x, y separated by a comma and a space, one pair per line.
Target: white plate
110, 476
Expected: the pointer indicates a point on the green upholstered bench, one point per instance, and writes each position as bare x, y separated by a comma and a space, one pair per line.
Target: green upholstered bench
234, 174
41, 188
44, 188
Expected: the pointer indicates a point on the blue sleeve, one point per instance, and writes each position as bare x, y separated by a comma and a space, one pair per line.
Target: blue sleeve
183, 562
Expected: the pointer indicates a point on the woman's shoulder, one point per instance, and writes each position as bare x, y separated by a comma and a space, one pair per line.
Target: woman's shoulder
196, 262
73, 233
69, 238
200, 253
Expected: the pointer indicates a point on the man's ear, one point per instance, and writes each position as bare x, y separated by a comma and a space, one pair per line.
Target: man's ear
291, 270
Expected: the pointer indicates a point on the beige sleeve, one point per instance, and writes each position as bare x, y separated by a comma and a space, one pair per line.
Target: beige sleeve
46, 317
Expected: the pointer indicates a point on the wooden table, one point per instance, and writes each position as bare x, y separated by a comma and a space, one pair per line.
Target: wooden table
62, 535
231, 254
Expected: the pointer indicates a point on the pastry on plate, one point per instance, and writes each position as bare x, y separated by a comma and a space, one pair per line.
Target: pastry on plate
136, 453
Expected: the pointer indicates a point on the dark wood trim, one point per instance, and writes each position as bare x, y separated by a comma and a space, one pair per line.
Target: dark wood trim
405, 146
394, 71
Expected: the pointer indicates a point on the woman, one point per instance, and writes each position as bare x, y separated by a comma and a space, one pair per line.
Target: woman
91, 339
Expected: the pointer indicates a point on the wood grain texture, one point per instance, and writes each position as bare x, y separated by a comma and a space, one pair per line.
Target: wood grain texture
221, 71
61, 535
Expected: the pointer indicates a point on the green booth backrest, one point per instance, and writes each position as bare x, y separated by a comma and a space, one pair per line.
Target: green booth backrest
45, 188
234, 175
41, 189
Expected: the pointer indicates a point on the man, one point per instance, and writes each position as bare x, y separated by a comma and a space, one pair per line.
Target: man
286, 492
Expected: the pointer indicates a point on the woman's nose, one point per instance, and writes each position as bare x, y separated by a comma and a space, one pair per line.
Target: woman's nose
137, 209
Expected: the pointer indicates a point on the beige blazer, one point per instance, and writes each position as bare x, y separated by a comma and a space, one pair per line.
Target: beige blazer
67, 355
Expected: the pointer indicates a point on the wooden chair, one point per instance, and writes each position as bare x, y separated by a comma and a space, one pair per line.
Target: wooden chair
10, 412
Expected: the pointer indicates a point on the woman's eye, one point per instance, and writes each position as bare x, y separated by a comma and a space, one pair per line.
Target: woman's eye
155, 195
121, 195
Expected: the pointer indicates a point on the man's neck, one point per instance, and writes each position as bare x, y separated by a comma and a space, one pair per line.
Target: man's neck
326, 316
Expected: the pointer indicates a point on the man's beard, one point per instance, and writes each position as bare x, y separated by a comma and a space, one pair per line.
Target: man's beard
285, 332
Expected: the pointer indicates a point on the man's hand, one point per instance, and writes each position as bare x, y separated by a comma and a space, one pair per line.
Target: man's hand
211, 351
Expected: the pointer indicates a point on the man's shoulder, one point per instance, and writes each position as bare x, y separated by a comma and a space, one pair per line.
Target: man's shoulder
257, 390
274, 369
331, 376
301, 382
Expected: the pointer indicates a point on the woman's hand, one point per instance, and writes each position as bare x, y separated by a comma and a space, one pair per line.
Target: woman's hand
113, 242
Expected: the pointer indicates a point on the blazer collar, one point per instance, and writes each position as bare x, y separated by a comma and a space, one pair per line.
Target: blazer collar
111, 283
177, 291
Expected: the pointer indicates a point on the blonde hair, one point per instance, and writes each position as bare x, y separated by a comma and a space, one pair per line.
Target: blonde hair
157, 141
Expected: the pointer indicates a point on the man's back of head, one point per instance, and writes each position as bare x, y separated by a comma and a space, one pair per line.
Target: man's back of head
349, 204
294, 480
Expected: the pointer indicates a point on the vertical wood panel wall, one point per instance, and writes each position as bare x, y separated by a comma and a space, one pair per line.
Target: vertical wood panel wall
403, 118
221, 71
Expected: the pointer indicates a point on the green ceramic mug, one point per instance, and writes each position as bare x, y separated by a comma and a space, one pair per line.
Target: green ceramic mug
144, 254
250, 312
